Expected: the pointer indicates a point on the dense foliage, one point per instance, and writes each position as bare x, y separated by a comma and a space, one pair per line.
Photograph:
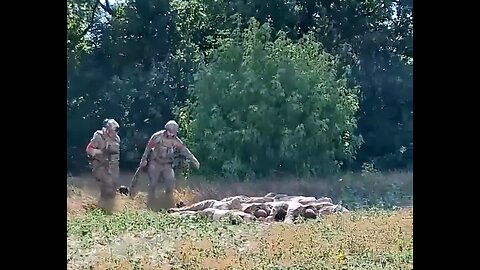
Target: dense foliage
296, 86
280, 103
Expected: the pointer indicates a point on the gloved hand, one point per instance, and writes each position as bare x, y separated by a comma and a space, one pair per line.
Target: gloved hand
143, 163
196, 163
95, 152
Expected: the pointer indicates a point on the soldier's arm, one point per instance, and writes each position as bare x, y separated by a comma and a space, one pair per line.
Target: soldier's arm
93, 147
151, 144
116, 149
184, 150
117, 138
119, 146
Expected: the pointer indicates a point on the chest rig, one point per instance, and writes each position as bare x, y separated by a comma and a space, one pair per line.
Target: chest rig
110, 148
164, 149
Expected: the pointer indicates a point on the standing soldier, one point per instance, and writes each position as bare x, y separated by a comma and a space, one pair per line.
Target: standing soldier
104, 155
158, 158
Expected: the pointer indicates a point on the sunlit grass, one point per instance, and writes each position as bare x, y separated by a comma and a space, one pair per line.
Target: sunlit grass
134, 238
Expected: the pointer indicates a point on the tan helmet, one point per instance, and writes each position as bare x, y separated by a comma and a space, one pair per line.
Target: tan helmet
111, 124
171, 126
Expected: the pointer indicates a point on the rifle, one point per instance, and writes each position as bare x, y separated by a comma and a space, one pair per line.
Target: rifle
134, 181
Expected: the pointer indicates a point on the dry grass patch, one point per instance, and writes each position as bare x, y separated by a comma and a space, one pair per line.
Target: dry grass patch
364, 240
135, 238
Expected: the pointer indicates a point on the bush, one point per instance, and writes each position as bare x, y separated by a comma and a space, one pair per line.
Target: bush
263, 106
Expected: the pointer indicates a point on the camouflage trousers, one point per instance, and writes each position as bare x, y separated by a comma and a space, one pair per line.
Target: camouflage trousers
161, 174
107, 175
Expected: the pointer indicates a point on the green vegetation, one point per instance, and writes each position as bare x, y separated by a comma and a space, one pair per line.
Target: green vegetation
262, 89
259, 87
280, 100
147, 240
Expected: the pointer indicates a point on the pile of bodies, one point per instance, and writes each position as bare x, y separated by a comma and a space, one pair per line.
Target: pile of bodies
269, 208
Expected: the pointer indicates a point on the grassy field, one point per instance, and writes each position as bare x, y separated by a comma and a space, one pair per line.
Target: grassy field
355, 190
135, 238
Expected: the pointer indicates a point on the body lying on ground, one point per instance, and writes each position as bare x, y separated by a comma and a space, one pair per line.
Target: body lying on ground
271, 207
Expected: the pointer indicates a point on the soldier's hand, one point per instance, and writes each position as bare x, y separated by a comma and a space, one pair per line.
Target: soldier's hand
143, 163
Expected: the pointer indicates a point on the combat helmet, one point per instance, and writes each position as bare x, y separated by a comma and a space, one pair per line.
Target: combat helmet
171, 126
111, 124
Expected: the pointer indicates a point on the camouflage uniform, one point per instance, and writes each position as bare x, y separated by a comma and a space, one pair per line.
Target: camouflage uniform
158, 157
104, 155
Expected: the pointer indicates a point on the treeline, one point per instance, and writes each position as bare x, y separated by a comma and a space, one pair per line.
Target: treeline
259, 87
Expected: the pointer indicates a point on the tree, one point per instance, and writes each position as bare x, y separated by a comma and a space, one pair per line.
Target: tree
262, 106
135, 60
132, 72
374, 37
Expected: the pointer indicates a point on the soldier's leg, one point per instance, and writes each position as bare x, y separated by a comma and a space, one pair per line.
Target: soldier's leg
97, 172
106, 201
169, 184
154, 172
101, 174
108, 188
115, 172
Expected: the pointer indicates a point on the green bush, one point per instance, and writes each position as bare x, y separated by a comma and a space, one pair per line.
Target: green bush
265, 106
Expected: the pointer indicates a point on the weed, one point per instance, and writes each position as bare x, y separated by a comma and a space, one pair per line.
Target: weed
138, 239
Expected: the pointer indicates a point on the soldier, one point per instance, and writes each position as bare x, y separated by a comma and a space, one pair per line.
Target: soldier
159, 156
103, 152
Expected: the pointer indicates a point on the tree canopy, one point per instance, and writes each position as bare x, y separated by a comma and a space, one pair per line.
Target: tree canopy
258, 87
